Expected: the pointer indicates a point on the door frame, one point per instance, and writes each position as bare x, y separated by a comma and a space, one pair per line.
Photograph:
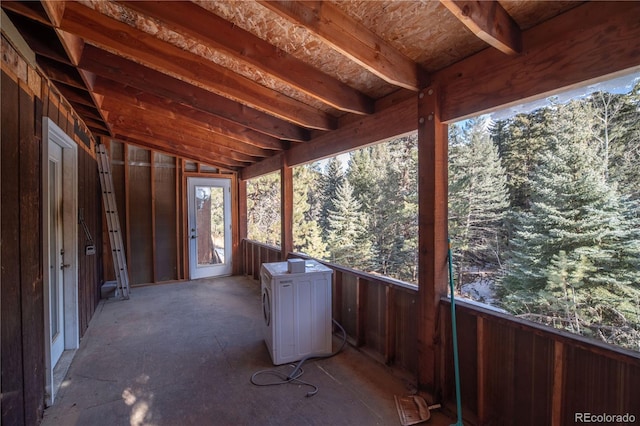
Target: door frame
54, 134
228, 207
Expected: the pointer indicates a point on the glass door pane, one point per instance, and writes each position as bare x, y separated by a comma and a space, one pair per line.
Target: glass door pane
210, 229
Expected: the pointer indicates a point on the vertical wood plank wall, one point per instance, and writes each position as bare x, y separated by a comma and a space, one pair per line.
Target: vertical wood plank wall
148, 193
27, 97
150, 190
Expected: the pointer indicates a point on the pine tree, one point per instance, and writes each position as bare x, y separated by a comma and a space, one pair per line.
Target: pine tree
347, 237
617, 127
307, 236
331, 179
263, 209
384, 178
574, 258
477, 198
520, 140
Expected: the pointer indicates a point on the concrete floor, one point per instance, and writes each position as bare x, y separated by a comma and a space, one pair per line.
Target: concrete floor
183, 354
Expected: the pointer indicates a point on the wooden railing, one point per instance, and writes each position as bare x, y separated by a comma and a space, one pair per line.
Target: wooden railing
512, 371
255, 254
378, 313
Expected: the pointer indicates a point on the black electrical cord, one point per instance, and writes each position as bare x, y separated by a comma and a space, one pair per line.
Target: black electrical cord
297, 371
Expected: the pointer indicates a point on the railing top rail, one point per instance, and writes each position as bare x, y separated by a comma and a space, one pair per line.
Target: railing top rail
365, 275
565, 337
265, 245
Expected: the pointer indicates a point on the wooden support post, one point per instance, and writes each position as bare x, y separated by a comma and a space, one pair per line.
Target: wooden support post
389, 324
481, 370
432, 235
337, 296
185, 222
361, 310
242, 225
153, 215
286, 202
127, 202
558, 385
178, 162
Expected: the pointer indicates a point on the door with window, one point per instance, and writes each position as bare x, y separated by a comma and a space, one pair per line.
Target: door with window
56, 254
209, 211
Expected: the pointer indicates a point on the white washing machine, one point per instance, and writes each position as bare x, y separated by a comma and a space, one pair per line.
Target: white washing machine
297, 311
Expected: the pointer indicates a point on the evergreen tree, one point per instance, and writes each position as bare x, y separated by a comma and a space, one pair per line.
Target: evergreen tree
520, 140
617, 127
384, 178
347, 237
477, 198
574, 258
331, 179
307, 236
263, 209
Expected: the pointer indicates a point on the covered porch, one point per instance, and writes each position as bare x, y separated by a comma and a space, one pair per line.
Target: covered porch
239, 103
184, 353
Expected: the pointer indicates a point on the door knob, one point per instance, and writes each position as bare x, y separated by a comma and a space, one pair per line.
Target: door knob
64, 265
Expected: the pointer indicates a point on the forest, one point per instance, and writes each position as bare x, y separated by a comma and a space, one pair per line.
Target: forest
544, 212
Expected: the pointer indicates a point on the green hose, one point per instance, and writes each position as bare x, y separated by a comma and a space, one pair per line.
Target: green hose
454, 335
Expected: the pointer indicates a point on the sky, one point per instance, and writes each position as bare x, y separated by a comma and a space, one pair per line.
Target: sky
617, 85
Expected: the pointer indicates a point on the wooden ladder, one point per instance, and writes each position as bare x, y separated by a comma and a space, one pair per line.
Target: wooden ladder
113, 223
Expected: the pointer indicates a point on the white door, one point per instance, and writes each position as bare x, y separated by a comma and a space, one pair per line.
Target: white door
56, 254
209, 227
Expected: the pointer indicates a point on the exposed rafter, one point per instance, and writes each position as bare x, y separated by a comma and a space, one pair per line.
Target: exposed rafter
130, 73
176, 149
115, 66
123, 125
190, 19
170, 59
489, 21
162, 123
353, 40
127, 95
33, 10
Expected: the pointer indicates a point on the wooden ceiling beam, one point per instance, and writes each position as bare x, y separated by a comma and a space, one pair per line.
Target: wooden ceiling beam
72, 94
187, 150
41, 38
490, 22
86, 112
95, 124
264, 167
174, 132
99, 132
105, 64
592, 41
160, 106
54, 10
157, 142
57, 51
72, 44
177, 150
190, 19
188, 128
30, 9
396, 120
170, 59
60, 72
353, 40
